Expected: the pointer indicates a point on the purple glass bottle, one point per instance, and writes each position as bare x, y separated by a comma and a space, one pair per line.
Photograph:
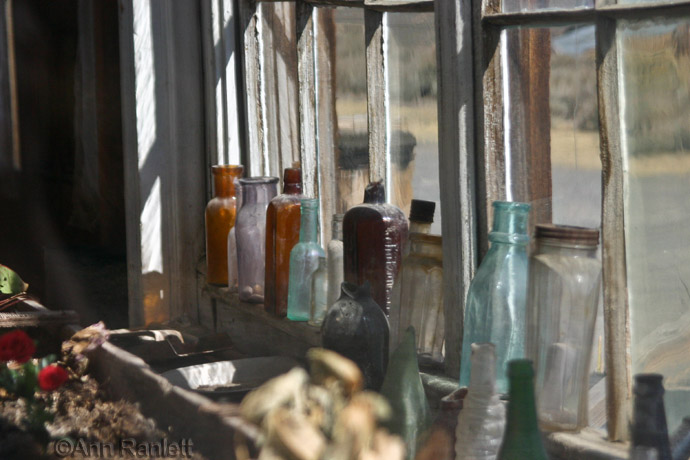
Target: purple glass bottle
374, 234
250, 232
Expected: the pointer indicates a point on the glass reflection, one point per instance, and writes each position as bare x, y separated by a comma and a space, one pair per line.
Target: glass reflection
411, 43
352, 163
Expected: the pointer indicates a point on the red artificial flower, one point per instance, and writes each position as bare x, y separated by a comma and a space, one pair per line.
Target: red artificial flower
16, 346
52, 377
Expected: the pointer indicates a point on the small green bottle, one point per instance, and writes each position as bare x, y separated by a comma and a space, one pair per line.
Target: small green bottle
522, 439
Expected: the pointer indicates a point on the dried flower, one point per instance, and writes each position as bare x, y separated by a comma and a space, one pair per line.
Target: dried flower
16, 346
52, 377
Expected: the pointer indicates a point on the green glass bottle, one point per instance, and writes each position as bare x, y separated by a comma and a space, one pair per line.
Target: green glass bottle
522, 439
304, 261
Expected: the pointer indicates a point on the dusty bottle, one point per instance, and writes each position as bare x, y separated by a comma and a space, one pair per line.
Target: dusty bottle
482, 419
319, 293
374, 234
522, 439
649, 433
403, 388
497, 297
250, 232
334, 253
564, 281
356, 327
418, 296
282, 234
304, 260
221, 211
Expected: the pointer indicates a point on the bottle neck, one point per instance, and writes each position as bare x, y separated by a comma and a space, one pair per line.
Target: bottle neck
420, 227
337, 230
308, 230
510, 217
257, 193
375, 193
224, 185
649, 427
292, 188
522, 410
292, 181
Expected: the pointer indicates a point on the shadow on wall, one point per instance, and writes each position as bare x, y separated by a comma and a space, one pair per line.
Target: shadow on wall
65, 232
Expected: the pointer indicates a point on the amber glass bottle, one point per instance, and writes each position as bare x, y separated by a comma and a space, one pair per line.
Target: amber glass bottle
374, 234
282, 233
220, 218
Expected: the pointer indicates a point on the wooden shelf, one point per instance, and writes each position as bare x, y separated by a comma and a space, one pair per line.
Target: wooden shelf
255, 332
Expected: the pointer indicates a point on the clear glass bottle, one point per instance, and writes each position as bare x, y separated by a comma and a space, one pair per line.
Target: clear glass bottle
304, 260
496, 300
221, 211
374, 234
282, 234
649, 432
564, 283
522, 439
481, 421
250, 232
334, 253
418, 296
319, 293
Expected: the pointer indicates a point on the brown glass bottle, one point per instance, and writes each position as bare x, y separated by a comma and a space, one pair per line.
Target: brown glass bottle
282, 233
220, 218
374, 234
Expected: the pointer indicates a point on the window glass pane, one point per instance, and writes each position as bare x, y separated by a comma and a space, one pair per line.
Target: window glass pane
515, 6
352, 162
655, 125
552, 142
413, 123
551, 123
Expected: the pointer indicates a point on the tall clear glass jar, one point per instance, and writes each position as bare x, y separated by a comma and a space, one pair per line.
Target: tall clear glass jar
304, 260
418, 296
282, 234
250, 232
565, 278
497, 297
374, 234
221, 212
334, 254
